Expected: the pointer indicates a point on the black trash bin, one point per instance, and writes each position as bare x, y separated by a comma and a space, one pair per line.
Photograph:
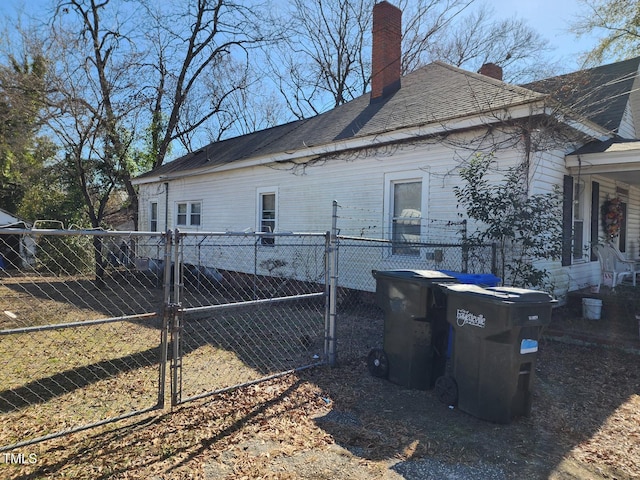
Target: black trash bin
415, 327
497, 330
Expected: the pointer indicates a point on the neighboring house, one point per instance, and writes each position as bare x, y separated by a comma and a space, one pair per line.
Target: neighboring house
7, 219
395, 154
16, 251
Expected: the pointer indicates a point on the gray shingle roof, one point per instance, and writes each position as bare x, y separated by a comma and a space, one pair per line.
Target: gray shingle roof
615, 144
600, 94
435, 93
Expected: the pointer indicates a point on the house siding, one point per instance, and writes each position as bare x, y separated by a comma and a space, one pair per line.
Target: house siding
627, 125
634, 106
357, 182
433, 100
305, 194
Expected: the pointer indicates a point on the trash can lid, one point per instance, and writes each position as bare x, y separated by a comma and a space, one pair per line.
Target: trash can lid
502, 294
429, 276
483, 279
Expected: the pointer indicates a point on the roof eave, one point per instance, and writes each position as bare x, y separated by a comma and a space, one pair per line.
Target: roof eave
525, 109
577, 122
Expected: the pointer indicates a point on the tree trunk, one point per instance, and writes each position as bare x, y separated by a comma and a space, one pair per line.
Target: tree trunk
99, 262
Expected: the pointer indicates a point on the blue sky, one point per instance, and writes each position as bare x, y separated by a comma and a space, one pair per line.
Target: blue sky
552, 19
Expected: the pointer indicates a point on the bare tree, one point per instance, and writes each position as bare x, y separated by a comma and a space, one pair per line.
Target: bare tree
93, 99
322, 62
249, 107
127, 86
424, 24
619, 20
325, 61
199, 55
478, 38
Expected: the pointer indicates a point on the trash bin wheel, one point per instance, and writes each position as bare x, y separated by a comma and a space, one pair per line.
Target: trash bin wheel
447, 390
378, 363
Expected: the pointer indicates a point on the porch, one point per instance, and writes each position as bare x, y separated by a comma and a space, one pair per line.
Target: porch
617, 326
603, 206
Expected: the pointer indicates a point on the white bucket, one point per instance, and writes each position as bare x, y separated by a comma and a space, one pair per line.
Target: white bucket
591, 308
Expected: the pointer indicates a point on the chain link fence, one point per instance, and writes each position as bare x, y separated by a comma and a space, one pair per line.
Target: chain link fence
80, 334
360, 322
363, 246
94, 323
253, 306
90, 321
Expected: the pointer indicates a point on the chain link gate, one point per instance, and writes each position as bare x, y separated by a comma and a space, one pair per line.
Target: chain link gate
82, 337
246, 308
89, 321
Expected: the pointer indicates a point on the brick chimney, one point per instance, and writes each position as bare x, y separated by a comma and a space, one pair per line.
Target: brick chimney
386, 51
491, 70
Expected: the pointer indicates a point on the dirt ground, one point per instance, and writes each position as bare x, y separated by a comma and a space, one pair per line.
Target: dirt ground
328, 423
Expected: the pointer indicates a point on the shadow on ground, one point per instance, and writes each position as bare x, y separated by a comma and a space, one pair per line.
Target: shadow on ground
577, 390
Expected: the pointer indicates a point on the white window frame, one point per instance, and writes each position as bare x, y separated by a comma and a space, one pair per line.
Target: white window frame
153, 219
260, 193
392, 179
188, 223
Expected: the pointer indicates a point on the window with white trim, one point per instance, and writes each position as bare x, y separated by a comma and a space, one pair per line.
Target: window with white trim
153, 217
188, 214
407, 217
405, 207
267, 214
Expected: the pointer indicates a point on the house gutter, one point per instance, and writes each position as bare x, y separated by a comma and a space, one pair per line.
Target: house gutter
627, 160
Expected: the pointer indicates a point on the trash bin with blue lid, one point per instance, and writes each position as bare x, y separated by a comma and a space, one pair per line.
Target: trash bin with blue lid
482, 279
415, 327
497, 330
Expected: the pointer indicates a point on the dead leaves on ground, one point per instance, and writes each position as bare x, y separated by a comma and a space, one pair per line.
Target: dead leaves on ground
587, 403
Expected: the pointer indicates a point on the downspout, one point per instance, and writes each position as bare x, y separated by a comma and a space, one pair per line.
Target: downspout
166, 206
527, 158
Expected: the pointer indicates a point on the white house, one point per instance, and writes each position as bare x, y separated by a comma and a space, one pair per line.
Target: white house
395, 154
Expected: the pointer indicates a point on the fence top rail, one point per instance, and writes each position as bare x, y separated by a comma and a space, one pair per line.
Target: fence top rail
252, 234
417, 244
89, 232
129, 233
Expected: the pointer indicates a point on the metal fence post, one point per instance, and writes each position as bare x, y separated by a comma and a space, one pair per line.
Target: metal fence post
176, 326
327, 293
166, 320
333, 282
465, 247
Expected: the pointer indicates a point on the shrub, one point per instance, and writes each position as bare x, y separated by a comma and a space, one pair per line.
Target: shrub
61, 255
524, 227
